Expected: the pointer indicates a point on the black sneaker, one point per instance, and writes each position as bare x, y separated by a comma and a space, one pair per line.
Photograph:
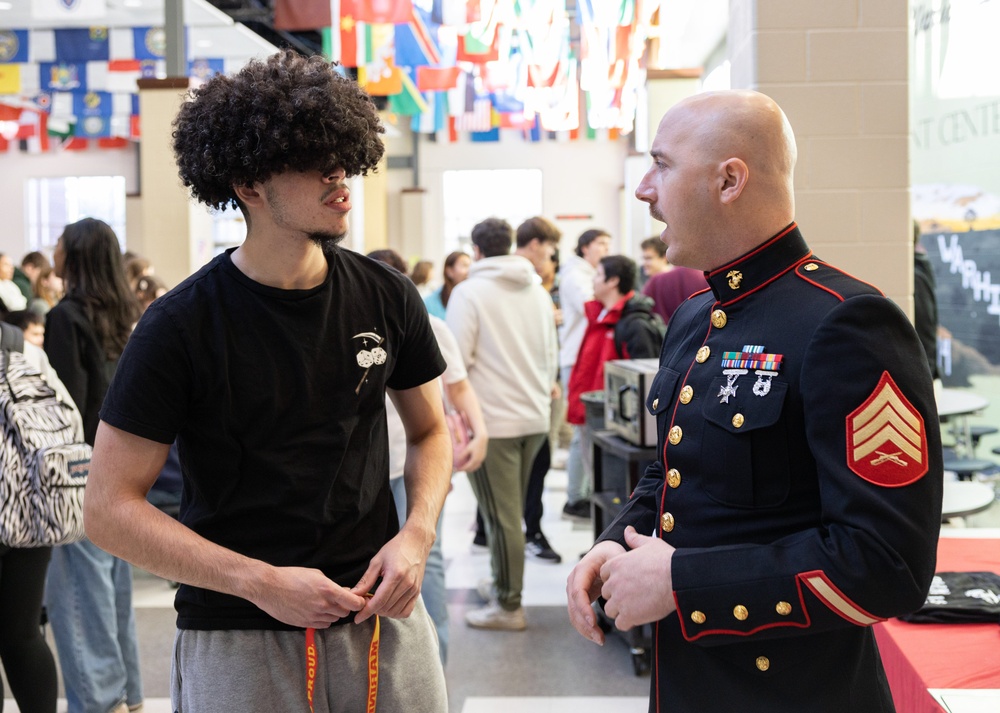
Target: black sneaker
580, 510
537, 547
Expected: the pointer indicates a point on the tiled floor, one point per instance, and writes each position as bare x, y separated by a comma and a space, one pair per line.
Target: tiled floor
547, 669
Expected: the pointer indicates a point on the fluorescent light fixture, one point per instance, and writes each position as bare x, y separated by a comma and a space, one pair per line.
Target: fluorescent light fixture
6, 6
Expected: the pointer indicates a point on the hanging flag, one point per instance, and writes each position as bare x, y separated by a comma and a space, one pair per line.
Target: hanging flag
14, 46
33, 131
204, 69
435, 119
385, 81
123, 74
455, 12
10, 79
93, 127
437, 78
385, 11
68, 10
82, 44
149, 43
479, 119
485, 136
416, 40
408, 101
56, 77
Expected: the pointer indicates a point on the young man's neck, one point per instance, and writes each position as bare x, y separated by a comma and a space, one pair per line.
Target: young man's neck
612, 300
288, 263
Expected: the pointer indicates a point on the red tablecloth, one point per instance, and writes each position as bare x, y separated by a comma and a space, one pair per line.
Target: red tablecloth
922, 656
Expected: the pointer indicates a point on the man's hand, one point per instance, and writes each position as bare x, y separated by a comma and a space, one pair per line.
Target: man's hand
304, 597
473, 455
638, 585
400, 563
583, 586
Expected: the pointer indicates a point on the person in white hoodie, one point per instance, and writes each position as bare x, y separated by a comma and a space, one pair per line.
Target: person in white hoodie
501, 317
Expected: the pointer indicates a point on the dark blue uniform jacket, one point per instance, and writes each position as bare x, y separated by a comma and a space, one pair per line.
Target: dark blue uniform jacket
800, 481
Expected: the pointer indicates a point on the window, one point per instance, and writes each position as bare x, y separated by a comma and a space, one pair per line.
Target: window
55, 202
471, 196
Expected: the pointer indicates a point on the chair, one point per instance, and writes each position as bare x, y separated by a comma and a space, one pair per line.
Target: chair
967, 468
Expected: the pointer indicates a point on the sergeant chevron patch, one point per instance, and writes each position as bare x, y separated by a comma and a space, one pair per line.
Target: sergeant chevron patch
886, 439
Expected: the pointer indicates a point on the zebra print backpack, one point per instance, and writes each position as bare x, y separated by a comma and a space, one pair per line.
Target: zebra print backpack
44, 461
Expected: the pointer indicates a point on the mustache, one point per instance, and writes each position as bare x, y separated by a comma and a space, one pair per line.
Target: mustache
333, 189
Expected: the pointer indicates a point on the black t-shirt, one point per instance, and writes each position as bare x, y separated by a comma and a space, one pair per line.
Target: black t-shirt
276, 399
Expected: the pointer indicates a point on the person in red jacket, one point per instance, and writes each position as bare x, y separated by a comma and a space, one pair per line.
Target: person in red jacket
620, 325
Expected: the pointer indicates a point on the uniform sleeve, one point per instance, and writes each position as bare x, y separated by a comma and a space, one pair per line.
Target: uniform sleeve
870, 553
153, 386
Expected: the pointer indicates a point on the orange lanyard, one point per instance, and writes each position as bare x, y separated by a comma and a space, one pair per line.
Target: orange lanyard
372, 667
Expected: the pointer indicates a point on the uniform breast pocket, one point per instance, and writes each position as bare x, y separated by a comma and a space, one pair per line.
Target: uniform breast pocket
744, 450
660, 398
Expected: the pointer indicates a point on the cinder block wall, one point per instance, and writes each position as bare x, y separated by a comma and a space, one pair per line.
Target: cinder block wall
839, 69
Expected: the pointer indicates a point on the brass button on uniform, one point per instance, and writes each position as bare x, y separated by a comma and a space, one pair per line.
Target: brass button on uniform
702, 356
687, 393
656, 402
738, 420
719, 319
675, 435
762, 663
698, 617
673, 477
740, 612
812, 266
667, 522
783, 608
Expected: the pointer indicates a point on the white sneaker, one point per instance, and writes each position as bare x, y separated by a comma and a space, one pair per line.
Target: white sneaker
495, 617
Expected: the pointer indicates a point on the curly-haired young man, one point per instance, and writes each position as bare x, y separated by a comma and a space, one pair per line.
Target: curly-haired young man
270, 367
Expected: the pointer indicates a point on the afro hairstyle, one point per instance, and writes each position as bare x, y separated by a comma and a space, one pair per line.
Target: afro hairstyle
286, 112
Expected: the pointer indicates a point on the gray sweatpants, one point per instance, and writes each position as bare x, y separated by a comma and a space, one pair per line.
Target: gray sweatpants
265, 671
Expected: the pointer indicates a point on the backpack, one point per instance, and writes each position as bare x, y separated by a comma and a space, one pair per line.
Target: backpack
44, 461
649, 322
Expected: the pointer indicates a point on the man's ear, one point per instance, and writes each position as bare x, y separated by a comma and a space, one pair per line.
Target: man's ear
249, 195
734, 174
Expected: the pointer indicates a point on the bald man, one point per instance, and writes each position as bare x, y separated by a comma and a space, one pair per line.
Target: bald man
797, 496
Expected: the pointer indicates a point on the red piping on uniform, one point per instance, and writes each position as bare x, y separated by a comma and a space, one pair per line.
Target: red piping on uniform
775, 625
827, 289
762, 285
762, 246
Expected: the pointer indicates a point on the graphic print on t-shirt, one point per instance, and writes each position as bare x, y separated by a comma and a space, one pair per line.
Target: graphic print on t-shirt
367, 358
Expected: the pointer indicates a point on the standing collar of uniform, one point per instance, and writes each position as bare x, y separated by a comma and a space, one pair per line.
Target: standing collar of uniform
760, 266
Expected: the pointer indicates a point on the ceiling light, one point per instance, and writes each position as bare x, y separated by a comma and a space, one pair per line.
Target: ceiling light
6, 6
132, 3
204, 43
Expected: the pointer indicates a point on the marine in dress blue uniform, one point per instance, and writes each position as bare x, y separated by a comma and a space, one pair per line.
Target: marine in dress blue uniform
800, 481
796, 499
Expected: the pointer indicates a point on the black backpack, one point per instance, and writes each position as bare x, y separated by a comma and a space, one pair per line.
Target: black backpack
649, 322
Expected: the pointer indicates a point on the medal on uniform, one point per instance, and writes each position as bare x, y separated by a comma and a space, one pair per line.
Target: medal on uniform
765, 366
730, 387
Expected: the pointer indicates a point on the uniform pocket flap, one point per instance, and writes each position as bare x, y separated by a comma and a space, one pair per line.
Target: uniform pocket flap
745, 410
661, 390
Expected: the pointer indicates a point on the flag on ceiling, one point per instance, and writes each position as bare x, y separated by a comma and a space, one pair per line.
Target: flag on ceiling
82, 44
416, 40
205, 69
455, 12
57, 77
10, 79
68, 10
437, 78
123, 74
14, 46
386, 11
149, 43
408, 101
33, 132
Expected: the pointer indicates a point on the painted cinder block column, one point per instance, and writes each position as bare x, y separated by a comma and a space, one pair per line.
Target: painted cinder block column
839, 69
